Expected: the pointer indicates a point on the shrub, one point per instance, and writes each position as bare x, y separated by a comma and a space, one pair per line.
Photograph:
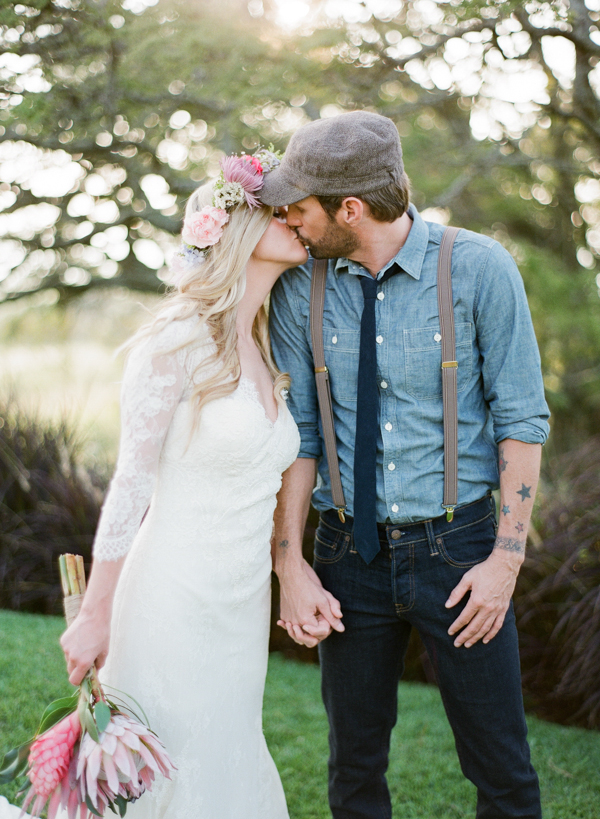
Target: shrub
49, 504
557, 601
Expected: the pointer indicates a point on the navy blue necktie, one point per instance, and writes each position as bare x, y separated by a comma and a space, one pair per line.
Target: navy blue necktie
366, 538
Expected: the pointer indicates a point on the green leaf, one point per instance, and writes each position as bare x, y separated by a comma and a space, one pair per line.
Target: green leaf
82, 707
90, 725
102, 715
14, 763
86, 687
91, 807
57, 710
121, 803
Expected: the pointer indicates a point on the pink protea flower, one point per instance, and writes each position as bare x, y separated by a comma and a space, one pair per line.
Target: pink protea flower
246, 174
205, 227
124, 762
51, 753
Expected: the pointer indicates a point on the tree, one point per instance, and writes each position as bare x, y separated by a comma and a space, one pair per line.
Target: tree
129, 109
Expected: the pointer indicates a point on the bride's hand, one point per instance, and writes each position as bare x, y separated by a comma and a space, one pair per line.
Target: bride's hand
84, 644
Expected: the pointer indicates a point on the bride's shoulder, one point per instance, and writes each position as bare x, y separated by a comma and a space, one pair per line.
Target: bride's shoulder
171, 335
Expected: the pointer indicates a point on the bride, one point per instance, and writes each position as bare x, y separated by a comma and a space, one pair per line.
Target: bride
180, 581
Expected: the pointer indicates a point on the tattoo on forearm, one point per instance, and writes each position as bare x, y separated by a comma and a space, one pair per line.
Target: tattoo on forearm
284, 544
506, 510
519, 527
502, 464
510, 544
524, 492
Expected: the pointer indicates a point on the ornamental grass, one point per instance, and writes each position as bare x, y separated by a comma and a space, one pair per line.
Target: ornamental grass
557, 601
49, 504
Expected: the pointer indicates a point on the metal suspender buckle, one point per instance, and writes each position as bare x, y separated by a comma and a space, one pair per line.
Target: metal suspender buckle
341, 515
321, 370
447, 364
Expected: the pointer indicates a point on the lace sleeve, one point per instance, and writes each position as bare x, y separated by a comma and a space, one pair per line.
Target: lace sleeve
153, 385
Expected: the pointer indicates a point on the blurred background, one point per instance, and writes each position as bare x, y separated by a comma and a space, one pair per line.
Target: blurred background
111, 113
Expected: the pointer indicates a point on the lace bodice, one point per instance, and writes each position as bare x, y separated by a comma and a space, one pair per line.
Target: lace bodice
158, 378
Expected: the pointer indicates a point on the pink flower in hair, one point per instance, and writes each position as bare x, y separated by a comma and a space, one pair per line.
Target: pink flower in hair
205, 227
238, 169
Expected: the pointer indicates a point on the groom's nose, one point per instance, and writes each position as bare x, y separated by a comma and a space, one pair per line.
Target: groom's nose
292, 217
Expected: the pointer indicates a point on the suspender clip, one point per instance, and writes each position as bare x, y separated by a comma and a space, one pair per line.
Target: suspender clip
447, 364
341, 515
321, 370
449, 513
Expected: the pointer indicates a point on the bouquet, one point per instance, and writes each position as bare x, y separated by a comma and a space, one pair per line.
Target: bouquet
90, 753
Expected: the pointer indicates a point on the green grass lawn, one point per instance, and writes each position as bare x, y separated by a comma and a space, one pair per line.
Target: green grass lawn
424, 777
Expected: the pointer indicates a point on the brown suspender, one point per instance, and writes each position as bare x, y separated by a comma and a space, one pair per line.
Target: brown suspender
317, 301
449, 367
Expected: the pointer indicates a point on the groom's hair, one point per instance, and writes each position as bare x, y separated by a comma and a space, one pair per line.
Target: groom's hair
386, 204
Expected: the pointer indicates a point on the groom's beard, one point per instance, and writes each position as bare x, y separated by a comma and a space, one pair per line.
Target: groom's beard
335, 243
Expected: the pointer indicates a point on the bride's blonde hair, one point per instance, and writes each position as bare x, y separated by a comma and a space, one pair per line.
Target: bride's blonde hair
212, 290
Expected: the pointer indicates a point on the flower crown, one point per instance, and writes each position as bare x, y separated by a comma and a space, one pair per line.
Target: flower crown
241, 178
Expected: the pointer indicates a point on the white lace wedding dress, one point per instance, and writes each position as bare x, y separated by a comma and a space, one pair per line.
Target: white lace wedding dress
190, 623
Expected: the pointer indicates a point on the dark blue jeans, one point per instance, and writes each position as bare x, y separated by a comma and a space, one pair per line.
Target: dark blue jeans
407, 585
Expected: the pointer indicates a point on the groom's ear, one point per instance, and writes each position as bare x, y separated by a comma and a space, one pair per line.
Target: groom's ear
352, 211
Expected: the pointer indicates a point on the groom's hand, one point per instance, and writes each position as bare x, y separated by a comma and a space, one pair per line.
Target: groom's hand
308, 611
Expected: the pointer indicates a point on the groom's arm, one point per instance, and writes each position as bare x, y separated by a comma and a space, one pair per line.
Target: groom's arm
308, 612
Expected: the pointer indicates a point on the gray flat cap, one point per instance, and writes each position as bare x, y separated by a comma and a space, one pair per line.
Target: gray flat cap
347, 155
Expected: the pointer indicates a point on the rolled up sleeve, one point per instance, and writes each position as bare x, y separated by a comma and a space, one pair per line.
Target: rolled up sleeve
292, 354
511, 367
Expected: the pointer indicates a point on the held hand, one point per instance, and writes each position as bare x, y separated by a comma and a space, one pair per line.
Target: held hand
308, 611
84, 644
491, 584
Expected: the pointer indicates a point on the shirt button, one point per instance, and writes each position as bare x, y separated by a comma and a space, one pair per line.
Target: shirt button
384, 385
391, 467
395, 507
437, 337
381, 296
334, 340
379, 339
388, 426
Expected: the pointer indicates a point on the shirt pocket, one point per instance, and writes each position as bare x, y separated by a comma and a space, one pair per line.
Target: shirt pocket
341, 357
423, 360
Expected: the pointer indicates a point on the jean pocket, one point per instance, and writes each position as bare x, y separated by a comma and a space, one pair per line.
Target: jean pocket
330, 543
468, 545
423, 360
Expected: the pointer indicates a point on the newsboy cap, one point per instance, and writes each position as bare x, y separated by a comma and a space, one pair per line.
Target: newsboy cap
347, 155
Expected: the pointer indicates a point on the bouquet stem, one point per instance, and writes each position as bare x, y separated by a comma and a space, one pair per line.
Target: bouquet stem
72, 578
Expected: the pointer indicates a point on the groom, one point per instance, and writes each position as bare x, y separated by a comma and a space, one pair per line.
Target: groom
398, 561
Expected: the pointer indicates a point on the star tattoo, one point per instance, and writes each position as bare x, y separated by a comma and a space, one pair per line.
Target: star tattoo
519, 527
524, 492
505, 510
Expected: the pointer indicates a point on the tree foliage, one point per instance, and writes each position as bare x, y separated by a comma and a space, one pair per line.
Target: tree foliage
111, 113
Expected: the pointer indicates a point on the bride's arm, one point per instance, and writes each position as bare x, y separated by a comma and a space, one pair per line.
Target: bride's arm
153, 383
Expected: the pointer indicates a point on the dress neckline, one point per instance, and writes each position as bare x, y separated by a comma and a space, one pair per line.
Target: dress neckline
252, 392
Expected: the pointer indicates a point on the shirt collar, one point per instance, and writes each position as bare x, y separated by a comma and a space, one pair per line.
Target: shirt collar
410, 256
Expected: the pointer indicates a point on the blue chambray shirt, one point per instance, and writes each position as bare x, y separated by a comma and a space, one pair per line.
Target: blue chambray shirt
500, 389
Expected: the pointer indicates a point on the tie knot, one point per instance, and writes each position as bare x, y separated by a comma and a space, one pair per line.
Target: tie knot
369, 284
